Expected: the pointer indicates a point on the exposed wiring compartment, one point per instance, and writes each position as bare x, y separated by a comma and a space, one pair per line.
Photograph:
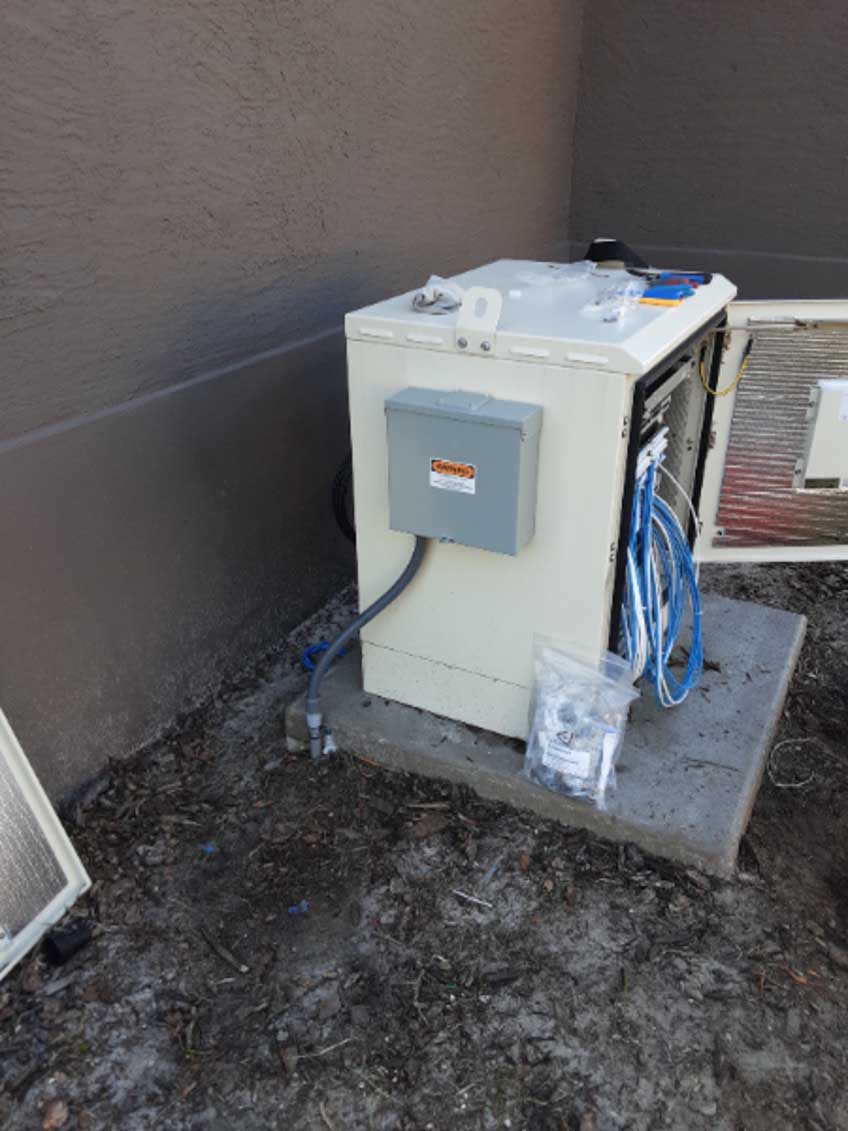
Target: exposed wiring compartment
660, 598
662, 582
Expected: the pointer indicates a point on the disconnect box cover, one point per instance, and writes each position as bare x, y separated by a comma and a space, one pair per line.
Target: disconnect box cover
462, 467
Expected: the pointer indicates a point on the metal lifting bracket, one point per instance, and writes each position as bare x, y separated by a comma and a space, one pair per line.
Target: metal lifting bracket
477, 320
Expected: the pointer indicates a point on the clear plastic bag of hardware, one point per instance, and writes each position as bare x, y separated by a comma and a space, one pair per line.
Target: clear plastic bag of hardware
617, 301
557, 274
438, 296
578, 714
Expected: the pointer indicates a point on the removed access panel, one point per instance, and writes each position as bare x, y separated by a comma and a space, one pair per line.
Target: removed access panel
777, 473
40, 873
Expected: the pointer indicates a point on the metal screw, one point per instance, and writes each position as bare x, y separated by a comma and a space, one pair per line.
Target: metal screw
485, 346
462, 343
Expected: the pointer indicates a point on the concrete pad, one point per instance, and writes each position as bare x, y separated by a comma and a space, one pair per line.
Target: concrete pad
687, 777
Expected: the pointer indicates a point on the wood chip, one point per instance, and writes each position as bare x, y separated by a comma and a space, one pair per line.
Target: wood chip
430, 824
329, 1048
59, 984
288, 1058
472, 898
224, 954
56, 1115
32, 977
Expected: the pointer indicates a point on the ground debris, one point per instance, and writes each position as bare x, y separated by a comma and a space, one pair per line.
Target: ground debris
430, 823
460, 964
56, 1115
222, 952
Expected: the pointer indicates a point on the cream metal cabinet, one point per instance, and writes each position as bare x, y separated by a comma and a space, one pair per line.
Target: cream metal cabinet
459, 640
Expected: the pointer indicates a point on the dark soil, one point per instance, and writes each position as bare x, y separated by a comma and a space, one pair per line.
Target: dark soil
458, 964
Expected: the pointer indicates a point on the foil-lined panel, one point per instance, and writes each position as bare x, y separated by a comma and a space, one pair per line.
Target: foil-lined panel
683, 418
759, 504
30, 874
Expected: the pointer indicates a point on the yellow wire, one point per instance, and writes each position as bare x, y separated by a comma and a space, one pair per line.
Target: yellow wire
728, 388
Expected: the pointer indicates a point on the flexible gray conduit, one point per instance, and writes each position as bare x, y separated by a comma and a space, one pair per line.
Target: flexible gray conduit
314, 718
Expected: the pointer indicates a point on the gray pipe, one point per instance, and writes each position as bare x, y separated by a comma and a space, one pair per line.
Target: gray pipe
313, 693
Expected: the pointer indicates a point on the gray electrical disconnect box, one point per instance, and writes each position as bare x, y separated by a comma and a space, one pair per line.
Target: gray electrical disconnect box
462, 467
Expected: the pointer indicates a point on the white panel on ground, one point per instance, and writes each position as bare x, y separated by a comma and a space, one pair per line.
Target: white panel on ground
40, 873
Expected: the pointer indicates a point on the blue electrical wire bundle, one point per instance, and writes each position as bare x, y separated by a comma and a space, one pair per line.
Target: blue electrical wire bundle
662, 580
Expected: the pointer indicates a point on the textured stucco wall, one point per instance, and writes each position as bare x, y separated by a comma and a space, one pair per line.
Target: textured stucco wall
723, 127
153, 548
189, 181
185, 185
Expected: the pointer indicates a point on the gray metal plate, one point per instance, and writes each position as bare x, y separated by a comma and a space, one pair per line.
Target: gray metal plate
488, 497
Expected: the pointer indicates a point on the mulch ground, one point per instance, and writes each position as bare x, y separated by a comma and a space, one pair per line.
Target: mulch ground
284, 946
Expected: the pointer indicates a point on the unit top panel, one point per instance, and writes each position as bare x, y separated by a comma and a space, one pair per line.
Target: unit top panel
541, 312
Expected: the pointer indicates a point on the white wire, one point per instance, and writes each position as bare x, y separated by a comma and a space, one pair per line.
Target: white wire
695, 517
660, 626
638, 648
654, 602
655, 612
668, 698
647, 606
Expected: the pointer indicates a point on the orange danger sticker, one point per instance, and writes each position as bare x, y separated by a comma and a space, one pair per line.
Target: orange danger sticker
449, 475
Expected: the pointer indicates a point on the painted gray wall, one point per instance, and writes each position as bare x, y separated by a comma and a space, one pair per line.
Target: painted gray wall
187, 185
190, 181
716, 135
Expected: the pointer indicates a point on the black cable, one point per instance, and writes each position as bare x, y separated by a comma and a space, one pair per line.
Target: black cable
313, 692
342, 498
606, 251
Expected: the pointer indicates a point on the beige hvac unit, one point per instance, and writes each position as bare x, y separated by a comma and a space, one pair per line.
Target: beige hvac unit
509, 427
